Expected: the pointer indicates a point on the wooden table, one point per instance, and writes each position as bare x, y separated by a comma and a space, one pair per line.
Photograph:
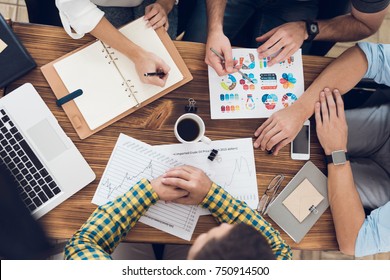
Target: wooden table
153, 124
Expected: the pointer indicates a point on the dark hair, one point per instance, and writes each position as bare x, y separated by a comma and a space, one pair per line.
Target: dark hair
242, 242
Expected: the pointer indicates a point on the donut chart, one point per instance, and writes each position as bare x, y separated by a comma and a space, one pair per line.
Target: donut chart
288, 99
251, 64
270, 101
229, 83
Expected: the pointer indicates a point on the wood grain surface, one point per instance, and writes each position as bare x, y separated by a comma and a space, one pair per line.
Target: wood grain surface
154, 125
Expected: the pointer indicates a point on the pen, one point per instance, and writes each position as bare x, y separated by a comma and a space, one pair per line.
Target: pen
150, 74
223, 61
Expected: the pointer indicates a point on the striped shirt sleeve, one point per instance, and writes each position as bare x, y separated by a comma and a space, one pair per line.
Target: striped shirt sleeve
227, 209
109, 223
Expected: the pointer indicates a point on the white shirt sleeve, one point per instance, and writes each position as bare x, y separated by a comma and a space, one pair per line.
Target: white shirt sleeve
81, 15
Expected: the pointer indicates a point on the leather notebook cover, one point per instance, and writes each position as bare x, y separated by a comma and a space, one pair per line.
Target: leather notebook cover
15, 61
71, 108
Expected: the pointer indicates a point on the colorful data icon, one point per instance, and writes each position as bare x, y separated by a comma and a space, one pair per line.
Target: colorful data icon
263, 63
288, 62
288, 80
229, 83
247, 63
288, 99
247, 85
268, 81
270, 101
250, 103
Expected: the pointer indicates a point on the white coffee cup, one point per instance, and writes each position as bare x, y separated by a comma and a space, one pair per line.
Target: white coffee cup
190, 128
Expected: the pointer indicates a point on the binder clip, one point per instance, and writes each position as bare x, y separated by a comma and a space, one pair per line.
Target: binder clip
313, 209
191, 108
214, 155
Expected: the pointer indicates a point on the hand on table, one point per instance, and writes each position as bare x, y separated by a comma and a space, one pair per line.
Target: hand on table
190, 179
279, 129
287, 37
221, 44
157, 15
165, 192
147, 62
332, 129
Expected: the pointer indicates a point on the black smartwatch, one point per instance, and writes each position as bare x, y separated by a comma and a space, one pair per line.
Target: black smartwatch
337, 158
312, 30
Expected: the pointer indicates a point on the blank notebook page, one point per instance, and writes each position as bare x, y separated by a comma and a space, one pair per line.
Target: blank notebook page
104, 95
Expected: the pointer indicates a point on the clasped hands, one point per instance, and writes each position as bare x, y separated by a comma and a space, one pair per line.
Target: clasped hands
183, 184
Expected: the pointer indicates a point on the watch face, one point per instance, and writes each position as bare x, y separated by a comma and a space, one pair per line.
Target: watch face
339, 157
313, 28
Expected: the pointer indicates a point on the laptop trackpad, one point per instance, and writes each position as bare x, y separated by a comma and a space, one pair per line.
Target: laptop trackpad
47, 140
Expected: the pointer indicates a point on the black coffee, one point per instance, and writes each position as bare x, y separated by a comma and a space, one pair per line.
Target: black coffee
188, 129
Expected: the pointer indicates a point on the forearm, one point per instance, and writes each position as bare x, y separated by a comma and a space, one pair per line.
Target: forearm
347, 210
226, 209
343, 73
167, 5
107, 33
215, 13
343, 29
109, 223
351, 27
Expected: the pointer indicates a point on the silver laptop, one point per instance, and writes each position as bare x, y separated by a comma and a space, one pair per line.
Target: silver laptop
43, 160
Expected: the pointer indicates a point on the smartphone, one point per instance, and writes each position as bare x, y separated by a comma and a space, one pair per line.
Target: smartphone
300, 146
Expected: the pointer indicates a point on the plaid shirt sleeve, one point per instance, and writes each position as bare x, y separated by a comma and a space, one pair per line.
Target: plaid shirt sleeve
109, 223
227, 209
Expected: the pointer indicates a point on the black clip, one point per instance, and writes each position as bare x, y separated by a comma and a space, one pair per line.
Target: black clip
191, 108
213, 154
313, 209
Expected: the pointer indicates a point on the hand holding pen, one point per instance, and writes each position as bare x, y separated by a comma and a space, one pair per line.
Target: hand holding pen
222, 61
219, 42
152, 69
238, 70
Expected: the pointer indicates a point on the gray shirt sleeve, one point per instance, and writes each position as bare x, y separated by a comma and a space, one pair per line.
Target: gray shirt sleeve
370, 6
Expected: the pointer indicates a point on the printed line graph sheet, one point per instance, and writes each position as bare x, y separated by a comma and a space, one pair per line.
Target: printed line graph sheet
234, 170
132, 160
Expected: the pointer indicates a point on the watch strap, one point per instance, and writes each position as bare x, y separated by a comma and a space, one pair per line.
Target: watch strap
310, 33
329, 158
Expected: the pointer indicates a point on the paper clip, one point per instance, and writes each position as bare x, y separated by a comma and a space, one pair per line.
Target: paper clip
313, 209
191, 108
214, 155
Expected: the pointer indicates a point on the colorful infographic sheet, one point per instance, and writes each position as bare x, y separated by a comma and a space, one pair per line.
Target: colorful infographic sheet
273, 88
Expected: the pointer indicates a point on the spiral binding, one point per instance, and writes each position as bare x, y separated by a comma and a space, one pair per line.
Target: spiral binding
130, 89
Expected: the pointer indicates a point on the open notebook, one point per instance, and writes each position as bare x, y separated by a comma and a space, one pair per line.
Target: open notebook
110, 84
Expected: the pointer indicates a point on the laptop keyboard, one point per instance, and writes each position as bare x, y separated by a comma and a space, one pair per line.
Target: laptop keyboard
36, 186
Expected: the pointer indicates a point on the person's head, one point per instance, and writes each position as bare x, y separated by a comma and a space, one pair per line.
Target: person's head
231, 242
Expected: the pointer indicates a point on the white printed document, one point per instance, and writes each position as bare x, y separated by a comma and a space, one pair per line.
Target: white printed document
233, 169
132, 160
274, 87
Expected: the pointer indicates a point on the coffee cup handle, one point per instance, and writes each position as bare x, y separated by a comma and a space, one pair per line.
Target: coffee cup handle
205, 140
